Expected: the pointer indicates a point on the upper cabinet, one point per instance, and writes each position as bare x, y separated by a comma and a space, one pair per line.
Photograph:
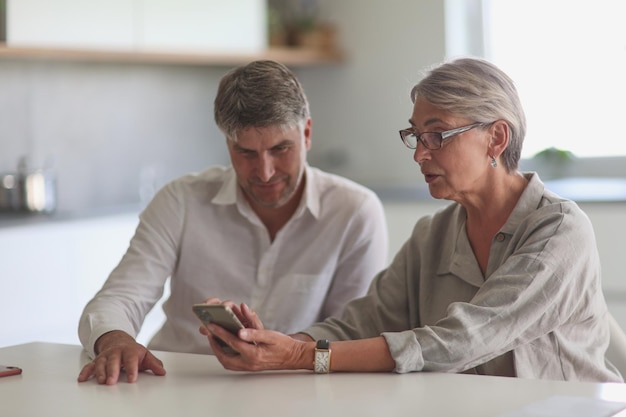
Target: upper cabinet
74, 24
206, 32
215, 26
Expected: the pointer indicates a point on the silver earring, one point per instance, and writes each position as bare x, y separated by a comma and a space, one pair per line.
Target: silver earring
494, 163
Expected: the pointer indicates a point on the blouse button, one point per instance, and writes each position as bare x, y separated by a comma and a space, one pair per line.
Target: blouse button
500, 237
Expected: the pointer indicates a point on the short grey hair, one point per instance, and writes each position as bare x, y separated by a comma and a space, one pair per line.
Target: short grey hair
479, 90
260, 94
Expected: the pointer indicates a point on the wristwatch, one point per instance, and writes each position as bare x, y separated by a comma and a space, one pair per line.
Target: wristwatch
321, 365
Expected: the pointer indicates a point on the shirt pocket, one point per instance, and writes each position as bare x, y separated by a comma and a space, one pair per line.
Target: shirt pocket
296, 302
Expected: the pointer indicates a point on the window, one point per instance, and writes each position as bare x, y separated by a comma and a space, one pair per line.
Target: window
568, 60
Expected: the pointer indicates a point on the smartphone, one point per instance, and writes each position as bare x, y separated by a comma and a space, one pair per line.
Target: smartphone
221, 315
9, 370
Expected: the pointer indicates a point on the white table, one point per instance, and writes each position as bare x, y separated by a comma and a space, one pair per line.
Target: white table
197, 385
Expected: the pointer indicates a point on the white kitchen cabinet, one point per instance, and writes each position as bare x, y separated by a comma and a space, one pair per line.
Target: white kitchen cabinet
94, 24
609, 223
35, 285
233, 27
180, 26
52, 269
188, 32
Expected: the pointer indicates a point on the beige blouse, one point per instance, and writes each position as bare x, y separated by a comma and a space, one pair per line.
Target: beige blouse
539, 311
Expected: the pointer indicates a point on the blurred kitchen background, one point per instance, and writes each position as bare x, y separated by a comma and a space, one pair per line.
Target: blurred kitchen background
103, 102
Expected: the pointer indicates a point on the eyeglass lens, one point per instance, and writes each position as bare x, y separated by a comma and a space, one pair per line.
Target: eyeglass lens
431, 140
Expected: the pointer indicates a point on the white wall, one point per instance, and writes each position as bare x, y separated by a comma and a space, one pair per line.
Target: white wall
358, 107
104, 124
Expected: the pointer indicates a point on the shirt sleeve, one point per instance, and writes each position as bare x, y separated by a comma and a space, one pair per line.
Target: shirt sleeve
137, 283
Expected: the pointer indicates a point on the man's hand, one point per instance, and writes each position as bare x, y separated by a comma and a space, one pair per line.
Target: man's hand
117, 350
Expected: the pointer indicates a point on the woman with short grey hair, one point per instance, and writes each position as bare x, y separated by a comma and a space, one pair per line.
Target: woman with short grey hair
478, 90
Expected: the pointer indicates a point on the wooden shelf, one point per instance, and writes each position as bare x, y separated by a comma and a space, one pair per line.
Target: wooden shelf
295, 57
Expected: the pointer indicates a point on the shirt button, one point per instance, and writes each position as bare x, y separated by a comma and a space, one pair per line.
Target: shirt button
500, 237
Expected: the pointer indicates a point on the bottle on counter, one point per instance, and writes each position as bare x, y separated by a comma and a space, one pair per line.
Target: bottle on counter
38, 188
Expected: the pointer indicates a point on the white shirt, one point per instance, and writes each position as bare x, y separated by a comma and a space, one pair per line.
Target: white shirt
200, 230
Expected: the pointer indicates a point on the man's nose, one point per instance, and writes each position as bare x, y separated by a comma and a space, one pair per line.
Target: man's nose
266, 167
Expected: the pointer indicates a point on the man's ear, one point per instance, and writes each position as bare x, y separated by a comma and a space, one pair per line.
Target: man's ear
307, 133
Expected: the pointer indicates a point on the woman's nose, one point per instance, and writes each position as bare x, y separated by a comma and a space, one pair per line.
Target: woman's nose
421, 153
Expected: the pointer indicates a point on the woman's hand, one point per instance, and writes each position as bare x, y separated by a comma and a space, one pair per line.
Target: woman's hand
260, 350
256, 349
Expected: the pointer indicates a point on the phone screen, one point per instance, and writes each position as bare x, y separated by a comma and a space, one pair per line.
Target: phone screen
221, 315
6, 370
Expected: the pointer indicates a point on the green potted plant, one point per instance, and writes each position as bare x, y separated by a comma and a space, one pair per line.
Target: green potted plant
553, 162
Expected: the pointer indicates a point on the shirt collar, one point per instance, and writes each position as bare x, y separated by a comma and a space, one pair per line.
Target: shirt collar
528, 202
459, 258
227, 194
312, 195
230, 193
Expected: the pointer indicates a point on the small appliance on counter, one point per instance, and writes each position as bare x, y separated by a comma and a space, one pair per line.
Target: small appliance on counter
27, 191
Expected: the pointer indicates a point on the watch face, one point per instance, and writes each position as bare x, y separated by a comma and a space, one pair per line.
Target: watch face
322, 362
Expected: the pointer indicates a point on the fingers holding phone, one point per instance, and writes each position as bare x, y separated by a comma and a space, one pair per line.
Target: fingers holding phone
270, 350
249, 317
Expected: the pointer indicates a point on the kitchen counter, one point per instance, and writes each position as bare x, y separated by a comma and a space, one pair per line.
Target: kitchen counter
59, 261
17, 219
589, 190
579, 189
199, 385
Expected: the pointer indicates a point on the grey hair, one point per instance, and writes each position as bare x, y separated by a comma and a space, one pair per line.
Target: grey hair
478, 90
260, 94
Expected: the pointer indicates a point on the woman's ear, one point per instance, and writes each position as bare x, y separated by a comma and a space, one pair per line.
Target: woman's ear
500, 133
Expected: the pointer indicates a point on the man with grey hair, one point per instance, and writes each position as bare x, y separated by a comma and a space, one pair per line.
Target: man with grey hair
294, 242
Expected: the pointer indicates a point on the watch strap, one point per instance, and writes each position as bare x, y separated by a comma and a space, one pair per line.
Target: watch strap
323, 344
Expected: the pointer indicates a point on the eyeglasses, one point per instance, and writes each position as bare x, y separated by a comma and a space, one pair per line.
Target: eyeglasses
433, 140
